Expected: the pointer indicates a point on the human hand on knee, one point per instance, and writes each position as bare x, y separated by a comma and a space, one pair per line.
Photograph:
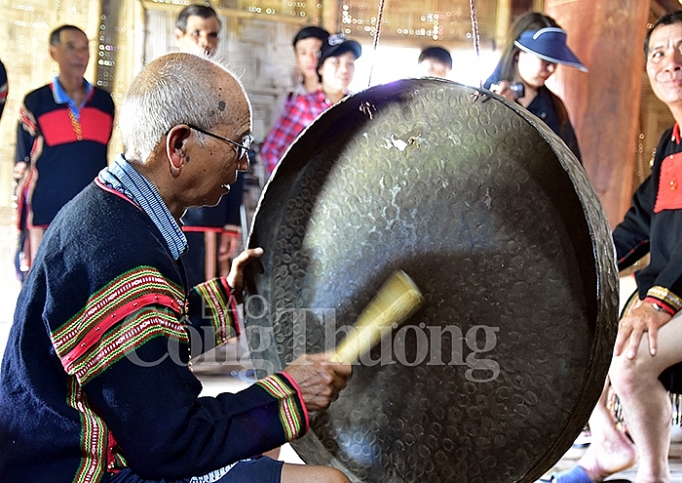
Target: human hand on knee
643, 318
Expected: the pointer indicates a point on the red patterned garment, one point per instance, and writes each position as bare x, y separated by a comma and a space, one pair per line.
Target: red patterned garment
652, 226
64, 151
297, 115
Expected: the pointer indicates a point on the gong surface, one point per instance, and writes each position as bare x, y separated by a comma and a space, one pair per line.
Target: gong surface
495, 221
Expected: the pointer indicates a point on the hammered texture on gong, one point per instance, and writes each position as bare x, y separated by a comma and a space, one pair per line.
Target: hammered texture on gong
496, 223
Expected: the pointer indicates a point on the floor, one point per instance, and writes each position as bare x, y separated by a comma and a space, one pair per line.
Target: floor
228, 368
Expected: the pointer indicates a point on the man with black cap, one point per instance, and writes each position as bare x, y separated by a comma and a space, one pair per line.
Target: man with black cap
335, 70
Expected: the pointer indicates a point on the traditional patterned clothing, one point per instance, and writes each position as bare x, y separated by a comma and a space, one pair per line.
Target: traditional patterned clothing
651, 226
95, 376
65, 145
3, 87
297, 116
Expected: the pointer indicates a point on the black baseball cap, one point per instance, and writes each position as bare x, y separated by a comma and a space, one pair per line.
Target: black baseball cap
336, 45
311, 31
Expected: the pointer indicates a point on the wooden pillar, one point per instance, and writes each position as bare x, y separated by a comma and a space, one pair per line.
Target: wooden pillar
331, 15
604, 104
503, 19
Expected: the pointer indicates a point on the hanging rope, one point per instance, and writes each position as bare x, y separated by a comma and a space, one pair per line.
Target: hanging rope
377, 34
474, 33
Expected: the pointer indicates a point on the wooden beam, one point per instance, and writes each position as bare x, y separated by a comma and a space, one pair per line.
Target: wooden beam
230, 13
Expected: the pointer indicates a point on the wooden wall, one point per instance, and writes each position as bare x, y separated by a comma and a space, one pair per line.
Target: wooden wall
616, 133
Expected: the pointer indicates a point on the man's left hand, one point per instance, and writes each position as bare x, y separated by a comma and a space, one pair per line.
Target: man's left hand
236, 277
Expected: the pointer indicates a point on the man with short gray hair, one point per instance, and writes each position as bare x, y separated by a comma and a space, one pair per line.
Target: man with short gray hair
213, 233
96, 383
62, 138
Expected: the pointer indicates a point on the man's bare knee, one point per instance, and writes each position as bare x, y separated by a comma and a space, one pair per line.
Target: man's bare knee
292, 473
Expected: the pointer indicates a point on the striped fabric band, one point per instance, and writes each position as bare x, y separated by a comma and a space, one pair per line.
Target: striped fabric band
94, 437
123, 340
293, 417
220, 309
121, 176
98, 335
213, 476
665, 296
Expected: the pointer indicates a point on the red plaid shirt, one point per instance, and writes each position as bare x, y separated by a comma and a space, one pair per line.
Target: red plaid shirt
298, 114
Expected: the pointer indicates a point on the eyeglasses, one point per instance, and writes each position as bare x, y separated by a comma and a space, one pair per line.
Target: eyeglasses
242, 148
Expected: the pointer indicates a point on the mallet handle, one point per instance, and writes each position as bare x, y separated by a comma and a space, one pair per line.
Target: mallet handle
396, 300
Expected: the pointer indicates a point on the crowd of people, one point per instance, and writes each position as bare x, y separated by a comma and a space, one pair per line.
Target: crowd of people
143, 260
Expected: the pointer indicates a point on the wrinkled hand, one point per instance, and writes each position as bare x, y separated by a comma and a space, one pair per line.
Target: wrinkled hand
644, 318
319, 379
235, 279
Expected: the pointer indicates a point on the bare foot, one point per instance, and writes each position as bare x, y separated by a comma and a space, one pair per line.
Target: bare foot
608, 455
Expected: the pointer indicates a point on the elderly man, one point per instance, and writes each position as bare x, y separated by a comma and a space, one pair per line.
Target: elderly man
96, 383
63, 136
196, 30
213, 233
648, 349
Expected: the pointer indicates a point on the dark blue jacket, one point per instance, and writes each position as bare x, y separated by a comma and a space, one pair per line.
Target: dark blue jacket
95, 376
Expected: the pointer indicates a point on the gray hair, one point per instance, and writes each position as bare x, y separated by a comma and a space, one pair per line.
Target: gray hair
174, 89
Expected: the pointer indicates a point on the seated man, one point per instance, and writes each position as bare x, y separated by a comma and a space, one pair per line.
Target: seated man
96, 382
648, 350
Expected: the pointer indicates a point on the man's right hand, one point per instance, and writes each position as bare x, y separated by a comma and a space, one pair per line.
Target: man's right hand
319, 379
642, 318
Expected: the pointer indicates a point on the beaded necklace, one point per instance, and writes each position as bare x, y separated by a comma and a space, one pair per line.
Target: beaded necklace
62, 97
76, 125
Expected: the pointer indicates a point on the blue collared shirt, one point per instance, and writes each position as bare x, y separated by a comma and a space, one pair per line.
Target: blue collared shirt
122, 177
61, 97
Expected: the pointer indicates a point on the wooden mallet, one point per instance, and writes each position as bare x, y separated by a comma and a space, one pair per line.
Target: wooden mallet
396, 300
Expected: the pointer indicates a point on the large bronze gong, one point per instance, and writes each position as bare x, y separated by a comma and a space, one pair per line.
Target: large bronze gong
495, 221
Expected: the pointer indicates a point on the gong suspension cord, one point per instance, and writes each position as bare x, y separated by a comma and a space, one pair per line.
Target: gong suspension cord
377, 34
474, 32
